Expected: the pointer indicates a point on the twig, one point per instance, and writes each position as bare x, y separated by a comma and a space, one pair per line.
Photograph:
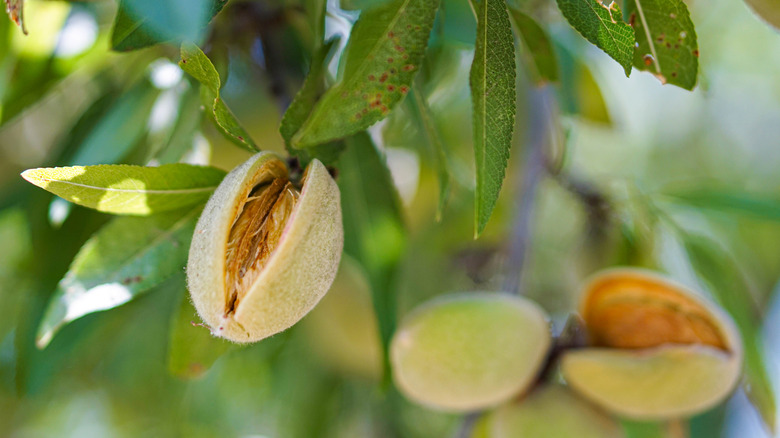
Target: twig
469, 420
539, 135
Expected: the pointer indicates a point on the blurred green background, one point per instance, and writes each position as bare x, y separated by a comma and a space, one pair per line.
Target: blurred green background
641, 174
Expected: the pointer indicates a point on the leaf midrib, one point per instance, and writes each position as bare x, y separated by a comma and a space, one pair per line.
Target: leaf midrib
175, 227
149, 191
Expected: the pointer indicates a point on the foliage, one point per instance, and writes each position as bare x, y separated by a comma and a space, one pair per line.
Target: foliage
128, 114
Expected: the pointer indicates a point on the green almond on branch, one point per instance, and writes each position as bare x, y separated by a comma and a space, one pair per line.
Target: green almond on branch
658, 351
129, 190
266, 249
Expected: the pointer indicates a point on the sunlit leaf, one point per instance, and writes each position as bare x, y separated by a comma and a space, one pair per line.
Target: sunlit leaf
761, 207
493, 98
125, 189
15, 10
125, 258
374, 233
536, 47
667, 40
769, 10
384, 52
142, 23
602, 25
719, 271
199, 66
192, 350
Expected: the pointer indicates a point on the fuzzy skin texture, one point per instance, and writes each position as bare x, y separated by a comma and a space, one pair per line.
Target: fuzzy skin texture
464, 352
667, 381
298, 273
551, 411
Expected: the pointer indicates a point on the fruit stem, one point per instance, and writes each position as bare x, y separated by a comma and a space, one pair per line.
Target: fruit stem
467, 426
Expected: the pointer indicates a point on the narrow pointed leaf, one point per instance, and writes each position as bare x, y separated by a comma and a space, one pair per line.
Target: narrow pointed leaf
123, 259
301, 107
143, 23
667, 40
192, 350
719, 272
15, 10
602, 25
492, 81
131, 190
537, 48
758, 206
580, 93
199, 66
121, 129
422, 113
384, 52
374, 232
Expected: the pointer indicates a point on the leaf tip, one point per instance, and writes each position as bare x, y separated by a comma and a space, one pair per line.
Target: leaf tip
33, 177
43, 339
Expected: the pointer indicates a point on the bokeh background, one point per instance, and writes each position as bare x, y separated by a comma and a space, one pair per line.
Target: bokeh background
638, 168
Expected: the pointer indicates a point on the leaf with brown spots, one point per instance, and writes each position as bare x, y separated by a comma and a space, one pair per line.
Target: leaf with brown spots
124, 259
384, 52
15, 10
666, 40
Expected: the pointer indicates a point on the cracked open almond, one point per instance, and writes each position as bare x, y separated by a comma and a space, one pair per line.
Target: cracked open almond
265, 252
658, 350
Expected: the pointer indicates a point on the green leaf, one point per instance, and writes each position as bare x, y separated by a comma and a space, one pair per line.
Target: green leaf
667, 40
492, 81
603, 26
199, 66
15, 10
643, 429
422, 113
719, 271
374, 232
538, 49
304, 101
125, 189
192, 350
121, 129
126, 257
579, 92
301, 107
769, 10
142, 23
755, 205
181, 138
384, 52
